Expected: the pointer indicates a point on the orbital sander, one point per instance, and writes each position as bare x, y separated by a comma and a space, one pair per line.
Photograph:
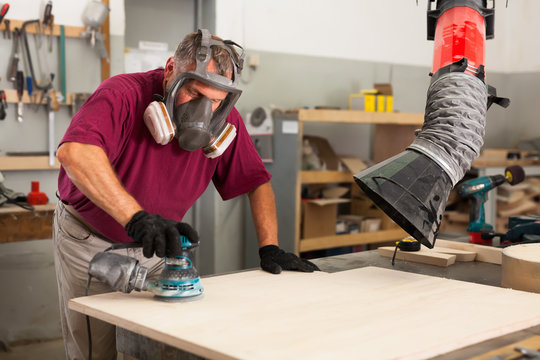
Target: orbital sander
178, 281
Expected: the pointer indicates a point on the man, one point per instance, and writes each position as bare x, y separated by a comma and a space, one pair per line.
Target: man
123, 179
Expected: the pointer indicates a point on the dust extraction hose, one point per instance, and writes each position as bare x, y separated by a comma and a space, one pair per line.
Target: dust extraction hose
454, 123
412, 187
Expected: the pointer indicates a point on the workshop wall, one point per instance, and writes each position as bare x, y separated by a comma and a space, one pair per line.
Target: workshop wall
379, 31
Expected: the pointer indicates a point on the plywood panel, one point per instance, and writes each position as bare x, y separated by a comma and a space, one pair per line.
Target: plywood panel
357, 314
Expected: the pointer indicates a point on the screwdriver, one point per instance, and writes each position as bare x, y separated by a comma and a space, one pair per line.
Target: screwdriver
20, 90
3, 11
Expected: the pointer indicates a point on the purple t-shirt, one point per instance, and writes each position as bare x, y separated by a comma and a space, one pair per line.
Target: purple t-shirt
164, 179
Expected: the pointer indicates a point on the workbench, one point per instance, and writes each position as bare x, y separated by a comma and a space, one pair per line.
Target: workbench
20, 224
132, 343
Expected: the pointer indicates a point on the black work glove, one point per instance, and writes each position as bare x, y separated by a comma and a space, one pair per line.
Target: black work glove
158, 234
274, 259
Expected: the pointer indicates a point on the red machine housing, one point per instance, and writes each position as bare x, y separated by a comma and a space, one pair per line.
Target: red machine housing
460, 32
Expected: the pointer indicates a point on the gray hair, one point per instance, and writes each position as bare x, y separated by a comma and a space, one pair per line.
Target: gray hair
185, 55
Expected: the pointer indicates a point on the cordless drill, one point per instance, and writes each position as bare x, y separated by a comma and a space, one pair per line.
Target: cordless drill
476, 190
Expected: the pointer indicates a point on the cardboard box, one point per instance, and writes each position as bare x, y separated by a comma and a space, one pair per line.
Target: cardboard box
391, 139
357, 102
371, 224
324, 151
385, 98
319, 217
353, 223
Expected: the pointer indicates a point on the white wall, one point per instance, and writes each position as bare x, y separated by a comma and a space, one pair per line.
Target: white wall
391, 31
66, 12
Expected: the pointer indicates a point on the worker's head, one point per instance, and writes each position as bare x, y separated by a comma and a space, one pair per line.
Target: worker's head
201, 87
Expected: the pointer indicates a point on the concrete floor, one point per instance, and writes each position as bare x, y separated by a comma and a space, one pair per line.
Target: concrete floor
53, 349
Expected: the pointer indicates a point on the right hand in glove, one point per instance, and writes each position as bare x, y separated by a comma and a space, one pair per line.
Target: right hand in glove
159, 235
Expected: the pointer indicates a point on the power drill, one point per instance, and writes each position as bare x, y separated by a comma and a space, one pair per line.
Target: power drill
476, 190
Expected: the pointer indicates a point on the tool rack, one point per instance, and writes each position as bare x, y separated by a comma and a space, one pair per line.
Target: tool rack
16, 163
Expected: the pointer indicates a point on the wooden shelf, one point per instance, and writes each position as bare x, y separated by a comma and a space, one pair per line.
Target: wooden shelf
27, 163
360, 117
324, 177
69, 31
381, 120
12, 97
328, 242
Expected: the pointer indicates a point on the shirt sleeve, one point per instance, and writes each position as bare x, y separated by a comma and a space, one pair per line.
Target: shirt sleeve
240, 168
101, 121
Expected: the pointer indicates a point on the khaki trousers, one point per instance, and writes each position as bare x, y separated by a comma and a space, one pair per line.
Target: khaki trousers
74, 246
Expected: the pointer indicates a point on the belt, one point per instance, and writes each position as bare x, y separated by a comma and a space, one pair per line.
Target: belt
80, 219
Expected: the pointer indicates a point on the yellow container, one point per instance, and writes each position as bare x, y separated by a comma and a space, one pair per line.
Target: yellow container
389, 103
370, 102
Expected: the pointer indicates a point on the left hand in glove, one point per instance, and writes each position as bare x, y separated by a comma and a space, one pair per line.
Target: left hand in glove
274, 259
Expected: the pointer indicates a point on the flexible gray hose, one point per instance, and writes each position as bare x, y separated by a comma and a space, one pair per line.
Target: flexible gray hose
454, 123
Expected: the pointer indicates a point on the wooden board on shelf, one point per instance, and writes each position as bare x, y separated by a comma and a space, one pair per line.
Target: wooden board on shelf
27, 163
355, 116
324, 177
11, 97
70, 31
344, 315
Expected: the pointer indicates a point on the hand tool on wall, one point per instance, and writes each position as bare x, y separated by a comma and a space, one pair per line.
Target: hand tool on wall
7, 29
93, 16
48, 21
63, 63
20, 90
14, 64
52, 105
3, 105
179, 279
3, 11
477, 189
412, 187
28, 58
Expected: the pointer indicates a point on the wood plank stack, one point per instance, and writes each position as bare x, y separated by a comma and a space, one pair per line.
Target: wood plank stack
446, 253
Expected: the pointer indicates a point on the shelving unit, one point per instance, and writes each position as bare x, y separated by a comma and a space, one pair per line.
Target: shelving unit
20, 163
327, 177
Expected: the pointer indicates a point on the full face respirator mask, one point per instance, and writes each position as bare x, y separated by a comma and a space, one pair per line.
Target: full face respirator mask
193, 123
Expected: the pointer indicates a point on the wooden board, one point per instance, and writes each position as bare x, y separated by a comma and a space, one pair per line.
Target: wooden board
461, 255
484, 253
423, 256
355, 314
